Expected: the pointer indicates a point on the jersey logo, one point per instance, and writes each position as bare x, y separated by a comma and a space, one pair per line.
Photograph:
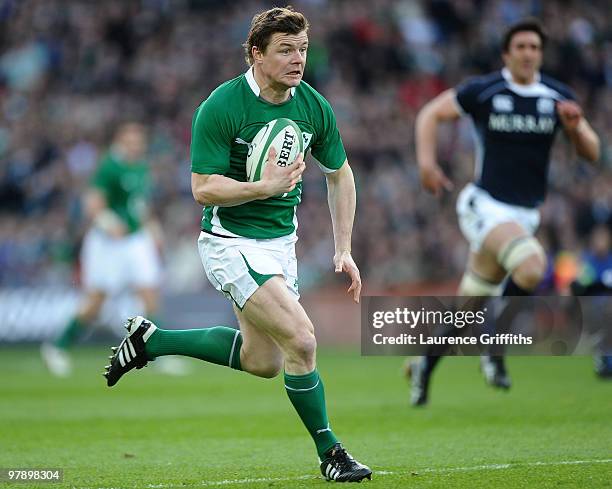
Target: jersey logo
503, 103
307, 138
249, 145
521, 123
546, 105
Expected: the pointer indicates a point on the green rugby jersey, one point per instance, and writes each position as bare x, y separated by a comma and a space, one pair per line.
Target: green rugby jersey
125, 185
223, 127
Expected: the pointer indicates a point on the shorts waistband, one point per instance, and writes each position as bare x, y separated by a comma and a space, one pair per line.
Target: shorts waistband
218, 235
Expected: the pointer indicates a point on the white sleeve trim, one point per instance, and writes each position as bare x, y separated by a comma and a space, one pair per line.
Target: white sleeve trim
324, 169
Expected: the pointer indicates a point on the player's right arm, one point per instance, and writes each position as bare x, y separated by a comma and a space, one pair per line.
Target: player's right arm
222, 191
101, 216
441, 109
96, 204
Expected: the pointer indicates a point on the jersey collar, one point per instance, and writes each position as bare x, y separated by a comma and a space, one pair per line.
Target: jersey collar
250, 78
517, 87
535, 89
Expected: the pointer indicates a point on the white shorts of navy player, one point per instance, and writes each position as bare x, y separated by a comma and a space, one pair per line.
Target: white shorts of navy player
501, 242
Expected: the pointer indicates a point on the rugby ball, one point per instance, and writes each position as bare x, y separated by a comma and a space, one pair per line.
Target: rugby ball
282, 134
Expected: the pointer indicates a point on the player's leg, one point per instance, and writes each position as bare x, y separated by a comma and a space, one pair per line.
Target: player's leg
274, 310
247, 349
99, 276
480, 280
520, 255
228, 271
523, 260
477, 214
102, 274
505, 232
55, 354
259, 353
87, 313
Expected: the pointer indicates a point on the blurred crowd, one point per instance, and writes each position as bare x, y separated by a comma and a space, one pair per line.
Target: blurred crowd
71, 70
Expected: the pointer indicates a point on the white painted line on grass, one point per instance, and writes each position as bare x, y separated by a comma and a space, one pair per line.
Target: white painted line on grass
513, 465
439, 470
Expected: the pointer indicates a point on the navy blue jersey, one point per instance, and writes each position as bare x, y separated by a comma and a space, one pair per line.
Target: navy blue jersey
515, 129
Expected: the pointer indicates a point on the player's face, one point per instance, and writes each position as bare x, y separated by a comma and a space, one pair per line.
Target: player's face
524, 56
132, 142
284, 59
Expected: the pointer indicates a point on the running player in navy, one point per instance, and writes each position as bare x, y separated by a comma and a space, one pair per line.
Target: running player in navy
516, 114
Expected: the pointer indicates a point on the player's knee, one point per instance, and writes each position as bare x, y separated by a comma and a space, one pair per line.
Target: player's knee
523, 253
303, 346
530, 272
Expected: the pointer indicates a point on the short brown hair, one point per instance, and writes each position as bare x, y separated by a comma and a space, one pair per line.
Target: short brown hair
525, 25
269, 22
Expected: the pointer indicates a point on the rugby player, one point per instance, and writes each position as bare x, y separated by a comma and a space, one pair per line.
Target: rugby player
247, 242
516, 114
120, 250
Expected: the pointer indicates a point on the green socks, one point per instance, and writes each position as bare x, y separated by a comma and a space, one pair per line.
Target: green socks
72, 330
220, 345
307, 395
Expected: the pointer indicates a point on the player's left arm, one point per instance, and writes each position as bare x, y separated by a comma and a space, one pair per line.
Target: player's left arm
341, 197
578, 129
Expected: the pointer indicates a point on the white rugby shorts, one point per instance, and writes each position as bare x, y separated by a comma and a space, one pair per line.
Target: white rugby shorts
478, 213
237, 267
112, 265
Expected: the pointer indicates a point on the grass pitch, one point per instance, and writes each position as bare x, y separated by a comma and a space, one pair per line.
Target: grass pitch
220, 428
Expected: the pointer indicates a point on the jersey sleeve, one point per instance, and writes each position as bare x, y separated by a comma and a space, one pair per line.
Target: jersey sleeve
328, 148
467, 95
102, 177
211, 139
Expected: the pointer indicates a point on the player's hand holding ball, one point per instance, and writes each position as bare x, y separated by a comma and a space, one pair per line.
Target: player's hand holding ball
282, 179
570, 114
276, 157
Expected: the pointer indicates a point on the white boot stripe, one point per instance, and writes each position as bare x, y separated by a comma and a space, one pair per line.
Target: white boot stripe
126, 353
121, 359
131, 346
149, 332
